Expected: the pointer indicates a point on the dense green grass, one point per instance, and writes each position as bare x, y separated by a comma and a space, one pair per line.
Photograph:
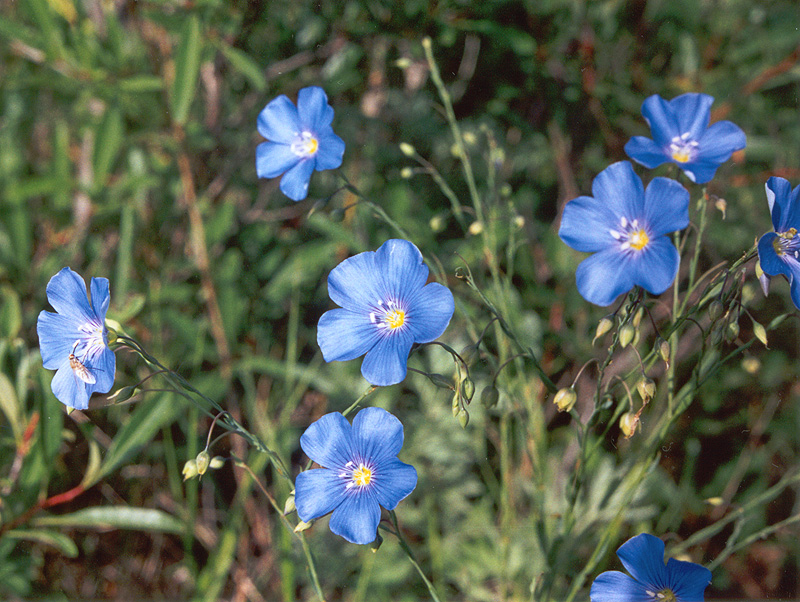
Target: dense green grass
127, 144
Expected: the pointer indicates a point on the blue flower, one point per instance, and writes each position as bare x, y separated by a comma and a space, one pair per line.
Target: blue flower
779, 251
74, 341
624, 225
300, 140
386, 307
360, 472
652, 581
681, 135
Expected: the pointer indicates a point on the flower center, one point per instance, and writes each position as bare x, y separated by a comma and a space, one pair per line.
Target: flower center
305, 145
631, 235
360, 476
682, 148
389, 316
664, 595
787, 242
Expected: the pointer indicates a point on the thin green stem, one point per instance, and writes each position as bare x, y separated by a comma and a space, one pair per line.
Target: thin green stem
407, 549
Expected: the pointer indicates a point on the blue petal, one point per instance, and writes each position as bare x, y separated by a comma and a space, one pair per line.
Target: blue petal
357, 517
613, 586
429, 312
327, 441
603, 277
400, 264
666, 207
772, 263
343, 335
279, 121
393, 481
720, 141
66, 292
385, 363
313, 108
654, 268
100, 298
700, 171
661, 119
646, 152
377, 435
784, 204
69, 389
103, 368
586, 224
57, 336
618, 187
274, 158
317, 492
331, 151
643, 557
356, 283
687, 580
294, 182
692, 112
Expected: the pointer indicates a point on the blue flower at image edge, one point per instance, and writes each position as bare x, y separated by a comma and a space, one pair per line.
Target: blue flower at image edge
74, 341
779, 251
360, 472
625, 225
681, 135
651, 580
385, 307
299, 140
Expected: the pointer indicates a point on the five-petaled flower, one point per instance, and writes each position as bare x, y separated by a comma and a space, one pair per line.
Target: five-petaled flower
360, 472
74, 341
299, 140
681, 135
652, 580
624, 225
779, 251
385, 307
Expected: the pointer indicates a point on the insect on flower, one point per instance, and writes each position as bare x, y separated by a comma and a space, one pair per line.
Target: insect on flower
79, 369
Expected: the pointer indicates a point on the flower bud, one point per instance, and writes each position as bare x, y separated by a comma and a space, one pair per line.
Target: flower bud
722, 206
289, 506
202, 461
403, 63
647, 388
637, 317
760, 332
518, 221
407, 149
715, 309
303, 526
475, 228
732, 331
751, 365
112, 335
663, 348
456, 406
628, 423
189, 470
469, 138
603, 326
490, 396
375, 545
565, 399
468, 389
437, 223
406, 173
217, 462
123, 394
463, 418
440, 380
626, 334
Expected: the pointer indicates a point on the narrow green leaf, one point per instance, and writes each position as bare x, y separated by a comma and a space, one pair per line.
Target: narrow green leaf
53, 538
187, 69
107, 144
245, 65
115, 517
10, 313
10, 407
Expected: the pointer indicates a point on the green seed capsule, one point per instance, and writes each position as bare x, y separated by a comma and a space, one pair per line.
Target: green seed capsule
565, 399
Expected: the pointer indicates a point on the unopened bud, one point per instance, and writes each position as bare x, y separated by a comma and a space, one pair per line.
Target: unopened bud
646, 388
289, 506
123, 394
202, 461
469, 138
456, 406
407, 149
603, 326
112, 335
751, 365
664, 350
475, 228
376, 544
732, 331
437, 223
403, 63
518, 221
463, 418
406, 173
722, 206
715, 309
626, 334
760, 332
565, 399
489, 397
628, 423
217, 462
506, 190
637, 318
303, 526
189, 470
468, 389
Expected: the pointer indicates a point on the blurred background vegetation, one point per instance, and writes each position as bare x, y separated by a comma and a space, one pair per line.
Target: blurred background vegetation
127, 137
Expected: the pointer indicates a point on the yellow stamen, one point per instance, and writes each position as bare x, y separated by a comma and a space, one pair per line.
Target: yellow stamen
362, 476
311, 146
395, 318
681, 156
638, 240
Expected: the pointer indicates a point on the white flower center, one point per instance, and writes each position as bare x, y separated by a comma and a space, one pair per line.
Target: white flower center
357, 476
682, 148
389, 316
631, 235
787, 242
305, 145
